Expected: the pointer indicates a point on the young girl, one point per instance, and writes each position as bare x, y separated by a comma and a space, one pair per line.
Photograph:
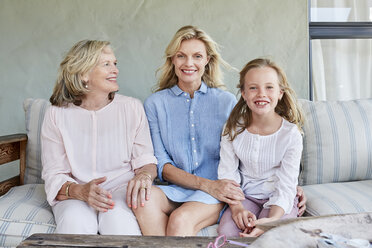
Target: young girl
261, 149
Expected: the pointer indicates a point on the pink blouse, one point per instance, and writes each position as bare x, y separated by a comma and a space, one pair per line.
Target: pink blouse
80, 145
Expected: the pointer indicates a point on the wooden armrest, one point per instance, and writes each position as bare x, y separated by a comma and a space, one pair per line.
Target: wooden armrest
13, 147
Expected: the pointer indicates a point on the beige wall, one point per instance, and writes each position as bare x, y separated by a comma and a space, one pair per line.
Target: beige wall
35, 34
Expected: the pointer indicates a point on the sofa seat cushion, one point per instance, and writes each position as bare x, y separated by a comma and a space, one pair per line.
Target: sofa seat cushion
339, 198
209, 231
24, 211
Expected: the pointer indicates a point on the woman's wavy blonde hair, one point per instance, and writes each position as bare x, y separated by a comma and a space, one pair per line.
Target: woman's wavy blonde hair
79, 60
241, 116
212, 76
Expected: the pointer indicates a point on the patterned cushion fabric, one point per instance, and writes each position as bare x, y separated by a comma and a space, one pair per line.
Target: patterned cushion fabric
339, 198
337, 141
24, 211
209, 231
34, 115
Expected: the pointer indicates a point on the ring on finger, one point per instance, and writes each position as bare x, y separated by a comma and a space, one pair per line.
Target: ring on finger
143, 187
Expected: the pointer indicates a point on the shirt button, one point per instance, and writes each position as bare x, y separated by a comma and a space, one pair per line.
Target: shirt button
194, 150
188, 100
185, 94
196, 163
192, 138
191, 112
192, 125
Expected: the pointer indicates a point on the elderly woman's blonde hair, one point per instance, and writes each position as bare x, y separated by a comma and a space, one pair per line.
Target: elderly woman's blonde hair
79, 60
241, 116
212, 76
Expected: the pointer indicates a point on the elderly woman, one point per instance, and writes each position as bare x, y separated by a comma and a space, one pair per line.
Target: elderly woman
97, 152
186, 116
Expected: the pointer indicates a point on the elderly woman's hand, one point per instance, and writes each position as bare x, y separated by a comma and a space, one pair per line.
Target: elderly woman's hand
139, 187
91, 193
226, 190
97, 197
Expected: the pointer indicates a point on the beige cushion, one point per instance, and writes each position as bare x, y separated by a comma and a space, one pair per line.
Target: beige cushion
339, 198
34, 116
337, 141
209, 231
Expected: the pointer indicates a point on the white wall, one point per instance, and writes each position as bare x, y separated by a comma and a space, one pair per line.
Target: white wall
35, 34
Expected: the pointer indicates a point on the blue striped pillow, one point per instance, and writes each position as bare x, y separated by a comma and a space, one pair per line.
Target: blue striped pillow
337, 141
24, 210
34, 115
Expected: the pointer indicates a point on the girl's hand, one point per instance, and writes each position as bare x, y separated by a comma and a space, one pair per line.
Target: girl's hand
244, 219
302, 201
139, 187
93, 194
256, 232
226, 190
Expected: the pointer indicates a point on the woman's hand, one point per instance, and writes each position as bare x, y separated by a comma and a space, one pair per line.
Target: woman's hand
243, 218
226, 190
301, 201
139, 187
91, 193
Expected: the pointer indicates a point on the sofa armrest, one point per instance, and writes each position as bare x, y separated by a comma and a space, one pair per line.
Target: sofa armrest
13, 147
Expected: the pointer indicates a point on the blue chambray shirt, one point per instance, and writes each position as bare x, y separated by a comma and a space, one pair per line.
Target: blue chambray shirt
186, 133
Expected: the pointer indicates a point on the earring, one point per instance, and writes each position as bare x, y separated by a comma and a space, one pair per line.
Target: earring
85, 86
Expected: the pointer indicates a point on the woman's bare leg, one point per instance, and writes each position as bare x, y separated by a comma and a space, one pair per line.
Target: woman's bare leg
153, 217
191, 217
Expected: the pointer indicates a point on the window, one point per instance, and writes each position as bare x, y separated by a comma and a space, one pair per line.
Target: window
340, 49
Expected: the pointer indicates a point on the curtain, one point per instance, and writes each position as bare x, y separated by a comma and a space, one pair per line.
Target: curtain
342, 68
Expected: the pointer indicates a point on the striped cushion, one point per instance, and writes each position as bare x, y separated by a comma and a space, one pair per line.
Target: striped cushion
339, 198
337, 141
24, 211
209, 231
34, 115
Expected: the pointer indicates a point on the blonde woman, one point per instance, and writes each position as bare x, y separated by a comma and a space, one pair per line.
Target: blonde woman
261, 150
186, 116
97, 153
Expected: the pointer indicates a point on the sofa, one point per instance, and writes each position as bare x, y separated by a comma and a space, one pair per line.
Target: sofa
336, 171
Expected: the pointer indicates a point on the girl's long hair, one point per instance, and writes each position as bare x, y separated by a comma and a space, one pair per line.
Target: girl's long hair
241, 116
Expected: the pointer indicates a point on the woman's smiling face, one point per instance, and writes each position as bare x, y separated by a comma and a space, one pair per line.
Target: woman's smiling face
190, 61
102, 78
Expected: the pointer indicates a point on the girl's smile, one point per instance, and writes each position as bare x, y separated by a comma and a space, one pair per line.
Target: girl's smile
261, 90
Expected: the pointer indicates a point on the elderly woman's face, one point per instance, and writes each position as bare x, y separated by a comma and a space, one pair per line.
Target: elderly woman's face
190, 61
102, 78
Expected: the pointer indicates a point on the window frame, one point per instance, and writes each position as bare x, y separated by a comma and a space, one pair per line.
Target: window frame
334, 30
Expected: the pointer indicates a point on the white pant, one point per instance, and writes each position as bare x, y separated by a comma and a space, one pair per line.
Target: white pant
77, 217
